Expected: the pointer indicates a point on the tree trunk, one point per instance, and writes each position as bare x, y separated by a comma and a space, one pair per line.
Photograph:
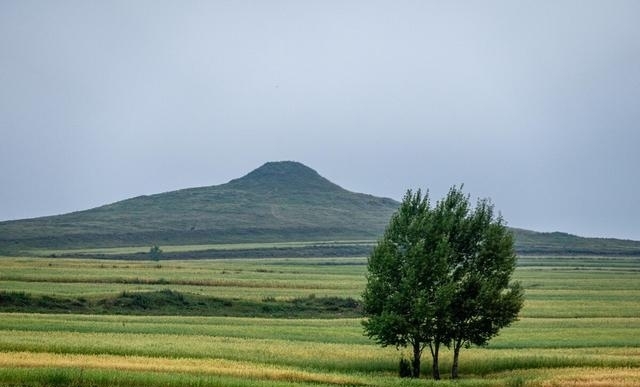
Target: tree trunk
417, 352
456, 355
435, 348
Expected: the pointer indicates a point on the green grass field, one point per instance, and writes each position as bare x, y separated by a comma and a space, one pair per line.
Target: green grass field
580, 326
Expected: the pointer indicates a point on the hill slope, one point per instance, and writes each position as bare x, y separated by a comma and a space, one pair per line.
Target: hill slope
278, 201
546, 243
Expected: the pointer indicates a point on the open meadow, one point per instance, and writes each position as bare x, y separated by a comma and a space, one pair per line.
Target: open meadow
580, 325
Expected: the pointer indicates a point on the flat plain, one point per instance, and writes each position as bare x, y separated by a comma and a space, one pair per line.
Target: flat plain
580, 326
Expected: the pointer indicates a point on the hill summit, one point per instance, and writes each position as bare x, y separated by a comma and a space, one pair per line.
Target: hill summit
279, 201
284, 175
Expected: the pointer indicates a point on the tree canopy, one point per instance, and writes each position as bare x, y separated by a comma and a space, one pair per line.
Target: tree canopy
441, 276
155, 252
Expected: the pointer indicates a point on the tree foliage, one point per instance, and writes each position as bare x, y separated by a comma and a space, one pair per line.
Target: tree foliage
441, 276
155, 252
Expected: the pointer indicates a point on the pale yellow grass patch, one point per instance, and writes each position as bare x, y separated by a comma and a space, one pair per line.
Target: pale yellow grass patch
221, 367
573, 377
594, 377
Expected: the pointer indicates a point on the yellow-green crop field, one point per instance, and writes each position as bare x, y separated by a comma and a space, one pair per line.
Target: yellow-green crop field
580, 327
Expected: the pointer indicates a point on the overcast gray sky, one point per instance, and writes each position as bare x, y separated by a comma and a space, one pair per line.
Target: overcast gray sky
534, 104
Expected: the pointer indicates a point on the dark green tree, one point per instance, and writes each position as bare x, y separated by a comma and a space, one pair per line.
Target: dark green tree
155, 252
405, 294
485, 300
441, 276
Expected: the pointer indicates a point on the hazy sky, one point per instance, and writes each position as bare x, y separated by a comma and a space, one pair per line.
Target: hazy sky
535, 104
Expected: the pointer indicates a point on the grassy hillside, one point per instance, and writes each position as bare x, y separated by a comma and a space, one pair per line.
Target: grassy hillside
545, 243
276, 202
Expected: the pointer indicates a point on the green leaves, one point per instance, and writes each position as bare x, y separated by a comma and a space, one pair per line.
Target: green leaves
155, 252
441, 275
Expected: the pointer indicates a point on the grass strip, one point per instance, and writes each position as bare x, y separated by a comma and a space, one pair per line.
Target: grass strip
214, 367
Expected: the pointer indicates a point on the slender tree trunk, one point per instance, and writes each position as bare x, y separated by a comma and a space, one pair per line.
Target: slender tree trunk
435, 349
456, 354
417, 352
